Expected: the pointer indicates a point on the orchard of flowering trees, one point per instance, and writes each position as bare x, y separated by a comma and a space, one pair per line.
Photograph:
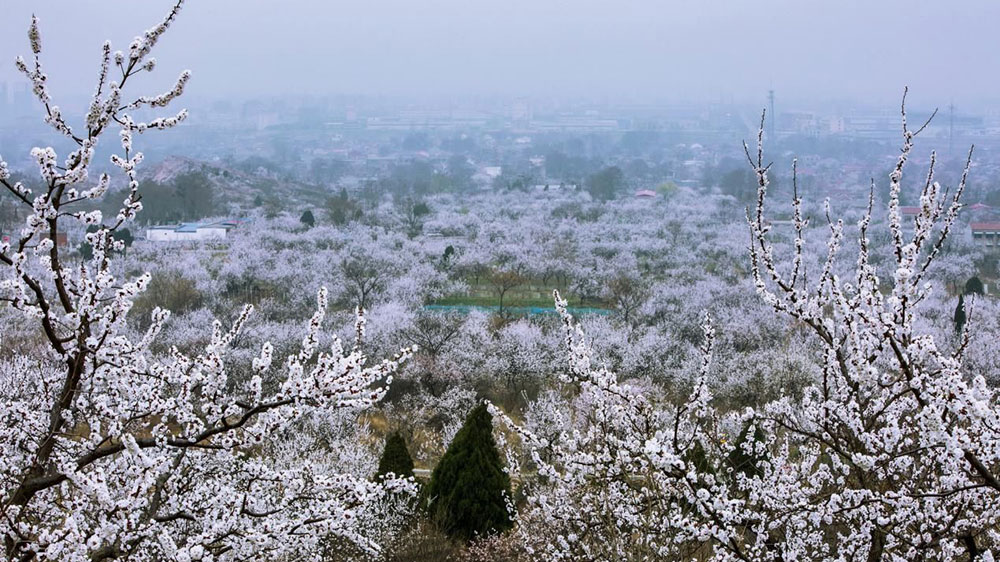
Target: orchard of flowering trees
170, 403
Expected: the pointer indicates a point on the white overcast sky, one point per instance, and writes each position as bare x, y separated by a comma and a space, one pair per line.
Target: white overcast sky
628, 49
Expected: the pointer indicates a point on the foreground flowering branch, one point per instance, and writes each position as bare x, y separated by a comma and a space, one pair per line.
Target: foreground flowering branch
893, 453
108, 451
904, 446
618, 481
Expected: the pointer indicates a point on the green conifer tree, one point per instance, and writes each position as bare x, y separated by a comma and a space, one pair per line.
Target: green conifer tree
469, 489
974, 286
960, 314
308, 219
395, 458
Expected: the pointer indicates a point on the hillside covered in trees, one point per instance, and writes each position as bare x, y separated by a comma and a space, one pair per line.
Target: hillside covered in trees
650, 352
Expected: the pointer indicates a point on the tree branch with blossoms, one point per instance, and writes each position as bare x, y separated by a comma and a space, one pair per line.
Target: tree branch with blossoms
892, 452
118, 452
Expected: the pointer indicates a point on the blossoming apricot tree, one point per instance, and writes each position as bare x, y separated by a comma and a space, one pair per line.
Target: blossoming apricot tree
892, 453
109, 451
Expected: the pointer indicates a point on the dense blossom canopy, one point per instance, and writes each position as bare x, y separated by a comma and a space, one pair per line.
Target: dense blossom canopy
850, 412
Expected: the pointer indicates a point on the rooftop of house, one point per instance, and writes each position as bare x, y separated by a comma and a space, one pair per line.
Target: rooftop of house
985, 226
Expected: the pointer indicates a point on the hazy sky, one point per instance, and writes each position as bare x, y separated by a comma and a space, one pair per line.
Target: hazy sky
625, 49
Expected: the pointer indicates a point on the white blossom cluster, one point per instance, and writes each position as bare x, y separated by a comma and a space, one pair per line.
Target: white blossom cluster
893, 453
617, 475
109, 450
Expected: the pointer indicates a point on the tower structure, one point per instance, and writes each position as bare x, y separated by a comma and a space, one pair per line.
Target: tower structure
951, 128
770, 101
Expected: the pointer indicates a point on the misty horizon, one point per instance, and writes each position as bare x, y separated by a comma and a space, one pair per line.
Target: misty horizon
638, 52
